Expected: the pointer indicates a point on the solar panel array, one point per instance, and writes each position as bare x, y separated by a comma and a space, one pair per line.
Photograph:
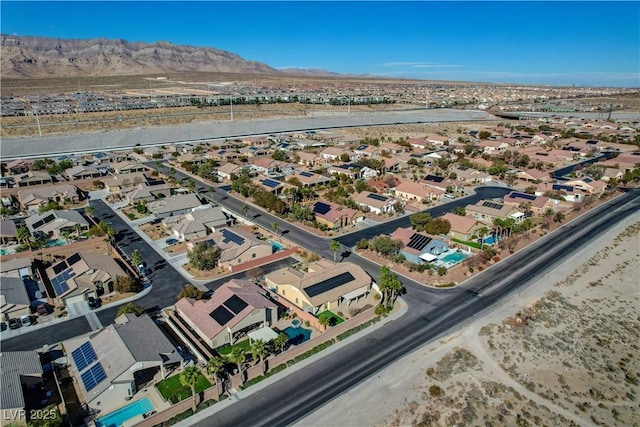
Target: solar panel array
93, 376
73, 259
434, 178
321, 208
60, 267
378, 197
235, 304
59, 283
221, 315
306, 174
492, 205
229, 236
523, 196
560, 187
84, 355
418, 241
270, 183
328, 284
362, 147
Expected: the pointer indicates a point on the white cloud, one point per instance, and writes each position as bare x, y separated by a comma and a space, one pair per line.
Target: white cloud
418, 65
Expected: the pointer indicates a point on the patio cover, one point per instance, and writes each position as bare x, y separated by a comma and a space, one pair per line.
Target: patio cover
265, 334
428, 257
355, 294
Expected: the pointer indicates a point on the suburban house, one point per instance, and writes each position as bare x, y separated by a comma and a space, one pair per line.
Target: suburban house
487, 211
409, 190
234, 309
308, 159
462, 227
119, 183
14, 299
265, 165
146, 192
612, 173
224, 171
442, 183
174, 205
332, 153
8, 232
418, 143
472, 176
309, 179
350, 170
533, 176
254, 151
376, 203
270, 185
19, 371
364, 150
437, 140
197, 223
419, 247
34, 198
110, 158
588, 185
567, 192
535, 204
18, 166
324, 286
17, 267
392, 164
123, 168
82, 275
54, 223
334, 215
492, 147
368, 173
392, 148
236, 246
82, 172
32, 178
113, 364
190, 158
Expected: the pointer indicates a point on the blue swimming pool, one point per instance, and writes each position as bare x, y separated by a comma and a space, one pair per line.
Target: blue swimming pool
117, 418
276, 245
454, 258
490, 240
52, 243
297, 335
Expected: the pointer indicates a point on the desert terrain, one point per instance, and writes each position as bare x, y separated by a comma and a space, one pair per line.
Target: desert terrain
562, 351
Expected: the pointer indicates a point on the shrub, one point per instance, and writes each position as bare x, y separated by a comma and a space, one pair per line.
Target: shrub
131, 308
125, 284
435, 391
192, 292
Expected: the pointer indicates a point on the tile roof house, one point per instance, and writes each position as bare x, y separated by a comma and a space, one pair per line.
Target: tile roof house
536, 204
588, 185
14, 299
409, 190
123, 168
492, 147
334, 215
82, 172
332, 153
108, 364
33, 198
486, 211
54, 223
235, 308
376, 203
32, 178
18, 166
174, 205
236, 246
309, 179
350, 170
419, 247
118, 183
472, 176
81, 275
265, 165
308, 159
197, 223
569, 193
8, 231
147, 193
322, 287
462, 227
225, 170
19, 370
533, 175
270, 185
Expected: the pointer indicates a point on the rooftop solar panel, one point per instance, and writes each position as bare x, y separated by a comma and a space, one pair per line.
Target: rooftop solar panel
229, 236
74, 258
221, 315
59, 267
327, 285
59, 286
270, 183
523, 196
48, 218
84, 356
434, 178
93, 376
418, 241
492, 205
378, 197
559, 187
321, 208
362, 147
235, 304
306, 174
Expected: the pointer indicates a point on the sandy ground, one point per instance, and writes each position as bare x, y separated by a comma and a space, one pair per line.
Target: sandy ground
562, 351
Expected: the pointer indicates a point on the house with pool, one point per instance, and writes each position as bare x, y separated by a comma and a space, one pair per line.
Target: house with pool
419, 247
323, 286
462, 227
112, 365
235, 309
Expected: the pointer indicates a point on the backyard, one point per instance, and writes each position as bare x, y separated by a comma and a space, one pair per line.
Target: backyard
173, 390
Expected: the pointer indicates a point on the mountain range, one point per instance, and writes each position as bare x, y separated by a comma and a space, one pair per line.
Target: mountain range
38, 57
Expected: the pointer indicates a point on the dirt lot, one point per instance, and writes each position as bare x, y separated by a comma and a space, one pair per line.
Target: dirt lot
154, 231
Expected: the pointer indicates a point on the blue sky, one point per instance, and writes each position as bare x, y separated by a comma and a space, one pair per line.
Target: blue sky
582, 43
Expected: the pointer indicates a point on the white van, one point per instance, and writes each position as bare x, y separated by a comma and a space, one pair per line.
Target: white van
26, 320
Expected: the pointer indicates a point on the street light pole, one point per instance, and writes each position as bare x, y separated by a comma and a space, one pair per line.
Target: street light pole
38, 120
231, 103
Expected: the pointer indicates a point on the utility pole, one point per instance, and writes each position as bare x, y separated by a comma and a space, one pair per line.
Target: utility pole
35, 108
231, 104
349, 103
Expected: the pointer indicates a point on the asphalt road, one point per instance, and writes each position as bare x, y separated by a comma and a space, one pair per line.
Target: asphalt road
207, 131
34, 340
300, 393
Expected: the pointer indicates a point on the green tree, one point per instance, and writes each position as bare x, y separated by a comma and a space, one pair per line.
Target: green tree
458, 210
24, 236
238, 357
125, 284
281, 341
215, 367
442, 270
259, 351
335, 247
420, 220
245, 209
484, 134
136, 259
344, 157
203, 256
390, 286
131, 308
189, 377
90, 210
275, 227
191, 292
324, 320
438, 226
559, 217
481, 233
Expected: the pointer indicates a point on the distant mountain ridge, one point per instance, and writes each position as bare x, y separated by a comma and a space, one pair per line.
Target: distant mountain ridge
33, 57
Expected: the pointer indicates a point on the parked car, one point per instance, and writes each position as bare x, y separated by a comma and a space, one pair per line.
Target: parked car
142, 269
171, 241
26, 320
155, 221
93, 303
14, 323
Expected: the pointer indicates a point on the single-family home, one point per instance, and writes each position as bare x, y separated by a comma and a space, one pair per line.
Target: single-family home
14, 299
174, 205
376, 203
487, 211
146, 193
442, 183
335, 216
437, 140
265, 165
270, 185
236, 246
309, 179
492, 147
392, 148
235, 308
225, 170
197, 223
332, 154
111, 366
126, 167
308, 159
32, 178
561, 191
18, 166
120, 183
82, 172
533, 175
409, 190
472, 176
529, 202
611, 173
419, 247
418, 143
54, 223
255, 151
324, 286
350, 170
8, 232
462, 227
588, 185
17, 267
20, 371
33, 198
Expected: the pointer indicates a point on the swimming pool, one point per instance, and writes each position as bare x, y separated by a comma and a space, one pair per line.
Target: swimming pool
117, 418
454, 258
490, 240
276, 245
297, 335
52, 243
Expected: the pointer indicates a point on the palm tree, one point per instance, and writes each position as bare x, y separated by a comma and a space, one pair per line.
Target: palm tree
481, 233
65, 235
275, 227
215, 367
24, 236
90, 210
324, 321
335, 246
549, 212
245, 209
189, 377
136, 259
259, 350
238, 356
281, 341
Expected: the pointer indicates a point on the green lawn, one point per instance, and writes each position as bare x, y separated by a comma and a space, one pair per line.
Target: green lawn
245, 345
331, 315
172, 388
472, 244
